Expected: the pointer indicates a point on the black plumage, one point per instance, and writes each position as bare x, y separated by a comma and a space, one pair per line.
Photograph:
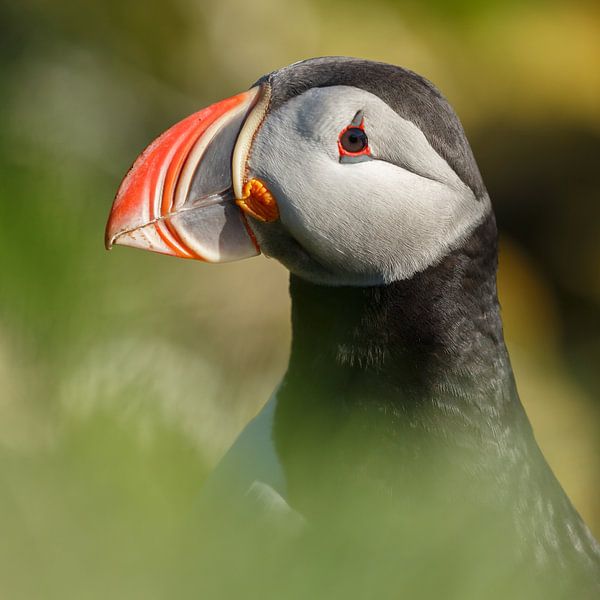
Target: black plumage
387, 383
397, 429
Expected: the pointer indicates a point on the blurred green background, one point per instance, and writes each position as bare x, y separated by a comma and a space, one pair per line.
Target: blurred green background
124, 376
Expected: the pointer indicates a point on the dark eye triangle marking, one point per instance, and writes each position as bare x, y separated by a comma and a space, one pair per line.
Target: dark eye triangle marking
358, 119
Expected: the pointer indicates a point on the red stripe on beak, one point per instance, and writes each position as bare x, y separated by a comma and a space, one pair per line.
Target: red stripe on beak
149, 194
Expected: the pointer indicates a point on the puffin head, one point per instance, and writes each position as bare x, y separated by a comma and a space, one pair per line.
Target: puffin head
349, 172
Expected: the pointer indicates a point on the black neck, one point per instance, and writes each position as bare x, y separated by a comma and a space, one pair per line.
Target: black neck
416, 363
409, 342
382, 378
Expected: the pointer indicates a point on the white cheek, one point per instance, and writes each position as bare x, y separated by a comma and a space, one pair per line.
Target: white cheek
368, 222
356, 213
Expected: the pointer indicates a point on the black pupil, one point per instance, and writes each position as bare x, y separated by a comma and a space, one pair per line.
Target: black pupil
354, 140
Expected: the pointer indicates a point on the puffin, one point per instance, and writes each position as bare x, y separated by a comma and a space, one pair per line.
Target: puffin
399, 401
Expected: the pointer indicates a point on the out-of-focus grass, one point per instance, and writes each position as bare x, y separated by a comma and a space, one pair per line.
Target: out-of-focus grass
123, 376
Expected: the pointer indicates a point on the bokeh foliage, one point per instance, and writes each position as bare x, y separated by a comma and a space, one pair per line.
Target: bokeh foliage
123, 376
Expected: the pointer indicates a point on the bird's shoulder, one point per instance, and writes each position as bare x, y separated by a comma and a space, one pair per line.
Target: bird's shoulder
250, 473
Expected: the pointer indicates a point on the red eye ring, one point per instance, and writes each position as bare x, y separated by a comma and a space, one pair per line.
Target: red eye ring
353, 140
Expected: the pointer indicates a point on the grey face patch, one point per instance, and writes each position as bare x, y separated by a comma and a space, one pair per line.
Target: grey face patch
410, 95
357, 224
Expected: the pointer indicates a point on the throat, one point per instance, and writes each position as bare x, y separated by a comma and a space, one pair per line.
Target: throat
437, 336
383, 380
399, 403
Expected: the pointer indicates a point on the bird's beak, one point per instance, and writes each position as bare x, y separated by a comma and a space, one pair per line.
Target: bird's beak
179, 197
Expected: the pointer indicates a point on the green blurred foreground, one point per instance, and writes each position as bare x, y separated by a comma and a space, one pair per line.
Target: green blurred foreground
124, 376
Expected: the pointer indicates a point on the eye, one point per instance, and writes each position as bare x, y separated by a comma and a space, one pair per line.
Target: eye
354, 140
